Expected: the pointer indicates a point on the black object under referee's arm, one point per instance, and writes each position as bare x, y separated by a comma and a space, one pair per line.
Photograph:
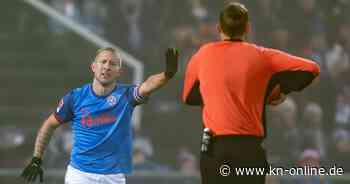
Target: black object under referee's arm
293, 80
206, 140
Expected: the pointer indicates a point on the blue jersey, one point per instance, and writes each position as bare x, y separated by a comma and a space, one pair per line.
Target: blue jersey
101, 126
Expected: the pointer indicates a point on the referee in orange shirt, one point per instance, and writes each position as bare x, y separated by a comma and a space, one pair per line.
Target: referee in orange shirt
232, 81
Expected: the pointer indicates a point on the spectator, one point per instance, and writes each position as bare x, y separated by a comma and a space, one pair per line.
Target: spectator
264, 21
310, 158
94, 14
70, 9
341, 149
337, 61
280, 39
342, 116
199, 11
187, 162
287, 133
313, 136
143, 151
305, 14
186, 39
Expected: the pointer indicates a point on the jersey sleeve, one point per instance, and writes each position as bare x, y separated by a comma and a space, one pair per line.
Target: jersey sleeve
134, 96
291, 72
191, 94
64, 110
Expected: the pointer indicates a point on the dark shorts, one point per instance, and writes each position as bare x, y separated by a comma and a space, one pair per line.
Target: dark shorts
228, 155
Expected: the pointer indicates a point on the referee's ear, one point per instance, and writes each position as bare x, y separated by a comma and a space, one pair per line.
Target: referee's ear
218, 28
248, 28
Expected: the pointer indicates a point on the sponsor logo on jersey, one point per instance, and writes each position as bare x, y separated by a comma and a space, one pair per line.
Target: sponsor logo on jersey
89, 120
112, 100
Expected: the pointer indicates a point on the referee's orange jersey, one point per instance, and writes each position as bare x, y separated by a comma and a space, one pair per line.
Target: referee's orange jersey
230, 80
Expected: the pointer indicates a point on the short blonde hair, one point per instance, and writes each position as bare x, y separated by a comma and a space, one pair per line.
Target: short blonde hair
110, 49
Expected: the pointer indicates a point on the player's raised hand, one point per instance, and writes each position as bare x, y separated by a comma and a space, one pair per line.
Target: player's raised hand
32, 170
172, 56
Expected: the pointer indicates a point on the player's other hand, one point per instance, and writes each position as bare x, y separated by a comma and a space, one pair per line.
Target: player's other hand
277, 96
172, 57
281, 99
32, 170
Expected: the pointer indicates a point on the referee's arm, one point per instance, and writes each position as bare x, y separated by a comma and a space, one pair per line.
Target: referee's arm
191, 93
293, 73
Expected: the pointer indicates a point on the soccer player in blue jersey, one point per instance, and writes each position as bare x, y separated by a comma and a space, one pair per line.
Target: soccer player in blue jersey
100, 115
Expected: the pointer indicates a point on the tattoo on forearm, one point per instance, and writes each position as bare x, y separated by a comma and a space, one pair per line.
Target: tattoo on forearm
43, 139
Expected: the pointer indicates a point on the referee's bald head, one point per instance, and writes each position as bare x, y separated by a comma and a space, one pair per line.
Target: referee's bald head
234, 19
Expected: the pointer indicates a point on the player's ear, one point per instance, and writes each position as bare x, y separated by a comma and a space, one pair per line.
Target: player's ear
93, 66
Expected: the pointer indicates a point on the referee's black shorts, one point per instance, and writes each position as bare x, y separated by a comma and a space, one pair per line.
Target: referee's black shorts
226, 154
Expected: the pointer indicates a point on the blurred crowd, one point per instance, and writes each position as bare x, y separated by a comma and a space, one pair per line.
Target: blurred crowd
313, 126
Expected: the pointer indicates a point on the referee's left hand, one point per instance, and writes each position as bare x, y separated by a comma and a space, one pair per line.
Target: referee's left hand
281, 99
172, 56
32, 170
